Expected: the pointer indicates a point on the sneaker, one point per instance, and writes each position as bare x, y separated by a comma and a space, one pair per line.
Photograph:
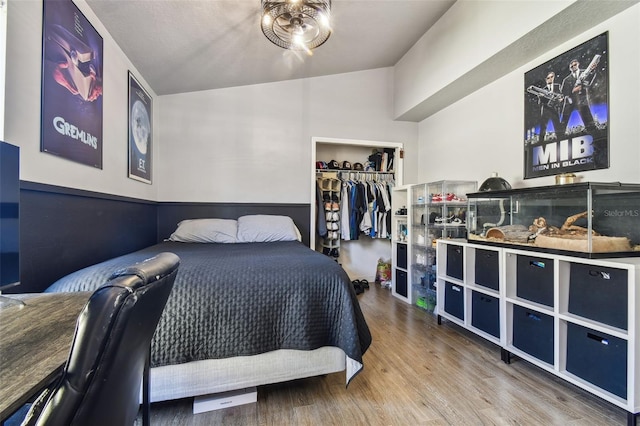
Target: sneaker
332, 216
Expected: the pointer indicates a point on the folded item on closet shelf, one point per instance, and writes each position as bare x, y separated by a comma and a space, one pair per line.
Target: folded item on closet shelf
370, 166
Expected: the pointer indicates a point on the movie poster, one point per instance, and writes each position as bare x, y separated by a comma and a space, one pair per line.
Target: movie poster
140, 131
566, 111
71, 118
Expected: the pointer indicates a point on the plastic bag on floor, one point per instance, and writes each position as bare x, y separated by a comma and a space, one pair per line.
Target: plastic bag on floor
383, 273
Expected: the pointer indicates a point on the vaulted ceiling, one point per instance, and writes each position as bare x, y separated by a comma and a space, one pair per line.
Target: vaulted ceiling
190, 45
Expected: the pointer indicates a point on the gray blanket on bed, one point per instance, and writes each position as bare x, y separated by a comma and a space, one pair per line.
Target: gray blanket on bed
245, 299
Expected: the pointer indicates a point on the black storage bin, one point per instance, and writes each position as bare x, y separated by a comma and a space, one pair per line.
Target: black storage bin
485, 313
454, 299
599, 293
455, 261
401, 283
533, 333
534, 279
598, 358
401, 255
486, 267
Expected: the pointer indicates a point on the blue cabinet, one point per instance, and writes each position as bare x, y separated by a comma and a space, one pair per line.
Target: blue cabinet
9, 213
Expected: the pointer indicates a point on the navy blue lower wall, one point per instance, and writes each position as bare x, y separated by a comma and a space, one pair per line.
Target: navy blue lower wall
63, 230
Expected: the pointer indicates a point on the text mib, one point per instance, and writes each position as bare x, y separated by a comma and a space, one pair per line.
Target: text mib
568, 152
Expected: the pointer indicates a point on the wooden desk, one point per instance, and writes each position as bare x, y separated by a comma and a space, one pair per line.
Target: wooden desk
34, 344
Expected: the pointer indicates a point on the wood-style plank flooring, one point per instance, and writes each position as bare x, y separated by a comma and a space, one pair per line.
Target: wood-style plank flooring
416, 373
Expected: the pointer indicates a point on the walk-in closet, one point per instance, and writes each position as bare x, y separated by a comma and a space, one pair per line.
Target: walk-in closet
351, 185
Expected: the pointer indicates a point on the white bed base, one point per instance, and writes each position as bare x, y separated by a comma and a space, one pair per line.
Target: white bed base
221, 375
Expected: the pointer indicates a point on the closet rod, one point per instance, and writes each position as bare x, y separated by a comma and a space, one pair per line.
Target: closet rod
351, 171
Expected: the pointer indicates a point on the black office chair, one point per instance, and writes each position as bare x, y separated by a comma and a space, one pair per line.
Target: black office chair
100, 384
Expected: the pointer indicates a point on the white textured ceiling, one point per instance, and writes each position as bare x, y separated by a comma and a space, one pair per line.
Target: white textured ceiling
189, 45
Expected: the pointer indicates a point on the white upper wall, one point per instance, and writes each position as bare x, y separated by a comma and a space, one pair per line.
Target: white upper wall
245, 144
253, 143
483, 132
468, 34
22, 110
478, 41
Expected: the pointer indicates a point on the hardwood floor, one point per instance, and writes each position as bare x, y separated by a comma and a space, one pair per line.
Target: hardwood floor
416, 373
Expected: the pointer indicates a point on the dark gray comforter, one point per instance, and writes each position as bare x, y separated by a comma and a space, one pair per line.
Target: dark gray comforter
245, 299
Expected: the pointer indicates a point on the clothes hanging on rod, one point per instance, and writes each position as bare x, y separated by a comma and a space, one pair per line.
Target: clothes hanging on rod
366, 204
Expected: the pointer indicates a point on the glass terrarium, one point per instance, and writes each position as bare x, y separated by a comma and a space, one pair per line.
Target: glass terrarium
589, 219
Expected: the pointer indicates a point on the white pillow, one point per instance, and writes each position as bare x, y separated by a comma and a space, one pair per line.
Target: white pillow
206, 231
262, 228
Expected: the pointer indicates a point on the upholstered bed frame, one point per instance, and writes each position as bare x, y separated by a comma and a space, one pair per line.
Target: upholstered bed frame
214, 376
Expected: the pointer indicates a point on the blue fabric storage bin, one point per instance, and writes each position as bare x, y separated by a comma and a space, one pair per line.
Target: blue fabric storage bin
599, 293
455, 261
401, 283
454, 300
533, 333
401, 255
534, 279
485, 313
598, 358
486, 269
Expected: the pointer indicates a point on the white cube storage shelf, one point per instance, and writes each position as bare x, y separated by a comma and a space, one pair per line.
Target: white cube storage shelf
574, 317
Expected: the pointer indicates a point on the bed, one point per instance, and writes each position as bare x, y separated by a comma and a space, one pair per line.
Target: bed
251, 305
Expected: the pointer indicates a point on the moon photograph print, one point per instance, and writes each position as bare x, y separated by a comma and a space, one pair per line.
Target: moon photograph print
140, 132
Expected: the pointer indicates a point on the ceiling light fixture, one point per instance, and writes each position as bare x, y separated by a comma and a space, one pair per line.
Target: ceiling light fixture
296, 24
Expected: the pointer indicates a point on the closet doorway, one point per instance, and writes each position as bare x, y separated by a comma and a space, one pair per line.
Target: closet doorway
359, 257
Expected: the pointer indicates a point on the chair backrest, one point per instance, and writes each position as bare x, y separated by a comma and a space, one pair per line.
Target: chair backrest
101, 381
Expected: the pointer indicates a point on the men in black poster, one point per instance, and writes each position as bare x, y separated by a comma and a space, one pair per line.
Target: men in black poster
575, 87
566, 125
550, 107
